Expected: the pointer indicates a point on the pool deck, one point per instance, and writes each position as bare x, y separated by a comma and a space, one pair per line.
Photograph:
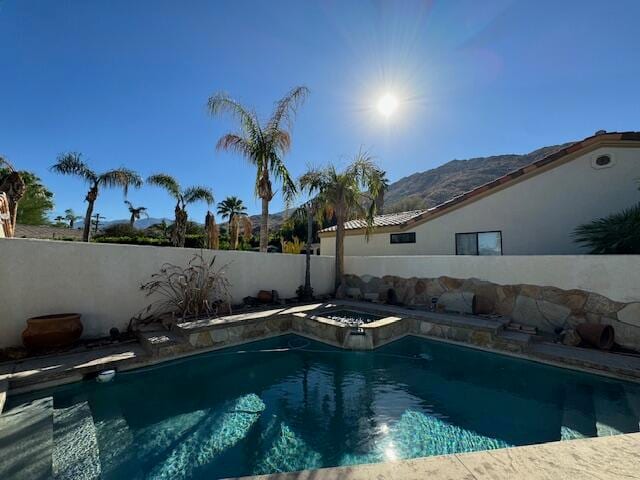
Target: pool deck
603, 458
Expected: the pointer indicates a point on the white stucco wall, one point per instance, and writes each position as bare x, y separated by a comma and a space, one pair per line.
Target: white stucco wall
536, 216
101, 281
614, 276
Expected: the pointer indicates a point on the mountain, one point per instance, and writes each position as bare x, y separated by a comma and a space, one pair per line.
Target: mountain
142, 223
432, 187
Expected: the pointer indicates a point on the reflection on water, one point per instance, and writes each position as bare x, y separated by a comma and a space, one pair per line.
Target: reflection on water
231, 414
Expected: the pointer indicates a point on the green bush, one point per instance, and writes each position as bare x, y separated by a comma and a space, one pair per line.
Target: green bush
158, 242
119, 230
618, 233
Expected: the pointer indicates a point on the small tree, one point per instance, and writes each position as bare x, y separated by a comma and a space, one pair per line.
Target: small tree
352, 192
71, 217
183, 198
72, 164
136, 212
233, 209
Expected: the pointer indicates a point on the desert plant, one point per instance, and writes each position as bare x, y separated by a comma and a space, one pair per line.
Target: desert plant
352, 192
183, 198
263, 145
618, 233
187, 292
72, 164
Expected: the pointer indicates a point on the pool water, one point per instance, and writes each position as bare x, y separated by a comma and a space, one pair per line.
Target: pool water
287, 404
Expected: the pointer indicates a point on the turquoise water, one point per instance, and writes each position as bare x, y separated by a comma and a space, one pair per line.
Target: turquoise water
288, 404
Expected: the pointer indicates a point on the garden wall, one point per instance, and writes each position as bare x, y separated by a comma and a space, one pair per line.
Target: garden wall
102, 281
546, 292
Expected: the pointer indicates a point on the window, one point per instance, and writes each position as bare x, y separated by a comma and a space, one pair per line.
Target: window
479, 243
403, 237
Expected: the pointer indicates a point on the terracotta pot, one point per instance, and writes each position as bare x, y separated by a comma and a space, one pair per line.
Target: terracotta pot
265, 296
596, 335
52, 331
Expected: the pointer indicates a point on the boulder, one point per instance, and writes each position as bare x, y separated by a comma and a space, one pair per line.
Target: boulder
630, 314
457, 301
601, 305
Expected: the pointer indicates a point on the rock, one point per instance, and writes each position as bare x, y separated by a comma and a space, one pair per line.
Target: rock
434, 289
460, 302
573, 299
544, 315
341, 291
630, 314
486, 297
601, 305
354, 292
505, 300
371, 297
571, 338
574, 320
449, 283
420, 287
532, 291
555, 314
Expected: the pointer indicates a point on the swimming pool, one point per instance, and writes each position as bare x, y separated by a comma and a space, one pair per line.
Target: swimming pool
288, 403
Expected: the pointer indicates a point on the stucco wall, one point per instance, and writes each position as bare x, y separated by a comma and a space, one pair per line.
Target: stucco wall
614, 276
102, 281
536, 216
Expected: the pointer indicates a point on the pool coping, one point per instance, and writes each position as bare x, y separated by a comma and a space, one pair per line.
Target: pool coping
613, 457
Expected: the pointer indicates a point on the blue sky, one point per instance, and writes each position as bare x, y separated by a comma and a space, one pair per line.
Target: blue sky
126, 82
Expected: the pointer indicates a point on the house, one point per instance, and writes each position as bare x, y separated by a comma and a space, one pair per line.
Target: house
530, 211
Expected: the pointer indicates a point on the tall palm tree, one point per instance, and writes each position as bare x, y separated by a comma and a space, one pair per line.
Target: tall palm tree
72, 164
352, 192
183, 198
263, 145
136, 212
71, 217
232, 209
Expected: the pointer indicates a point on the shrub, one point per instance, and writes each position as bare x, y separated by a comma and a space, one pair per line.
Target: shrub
119, 230
618, 233
193, 291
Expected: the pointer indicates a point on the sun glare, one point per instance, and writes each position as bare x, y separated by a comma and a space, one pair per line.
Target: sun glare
387, 105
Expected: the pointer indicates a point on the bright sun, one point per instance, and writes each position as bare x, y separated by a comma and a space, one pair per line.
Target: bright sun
387, 105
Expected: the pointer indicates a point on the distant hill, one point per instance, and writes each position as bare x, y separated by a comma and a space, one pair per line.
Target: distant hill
142, 223
453, 178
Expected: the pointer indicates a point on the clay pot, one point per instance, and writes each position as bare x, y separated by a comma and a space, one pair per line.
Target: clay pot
596, 335
52, 331
265, 296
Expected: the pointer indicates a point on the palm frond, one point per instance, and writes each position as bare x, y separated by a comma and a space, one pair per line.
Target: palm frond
221, 103
72, 164
279, 171
236, 143
120, 177
286, 108
167, 182
196, 194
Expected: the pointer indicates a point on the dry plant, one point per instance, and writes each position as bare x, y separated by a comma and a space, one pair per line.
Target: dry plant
195, 291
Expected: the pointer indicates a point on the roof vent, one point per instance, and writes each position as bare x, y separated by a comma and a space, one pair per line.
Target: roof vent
601, 132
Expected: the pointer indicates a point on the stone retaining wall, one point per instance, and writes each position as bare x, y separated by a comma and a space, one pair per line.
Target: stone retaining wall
546, 308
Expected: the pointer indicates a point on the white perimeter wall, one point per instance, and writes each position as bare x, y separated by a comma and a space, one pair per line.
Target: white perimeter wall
102, 281
614, 276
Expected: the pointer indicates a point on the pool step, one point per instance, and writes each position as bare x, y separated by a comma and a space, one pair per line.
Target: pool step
26, 441
578, 419
117, 450
613, 414
75, 454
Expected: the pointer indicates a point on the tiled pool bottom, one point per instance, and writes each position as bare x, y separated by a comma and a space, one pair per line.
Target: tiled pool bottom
288, 404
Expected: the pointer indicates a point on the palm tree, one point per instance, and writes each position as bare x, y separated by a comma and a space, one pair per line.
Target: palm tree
14, 186
183, 198
233, 209
262, 145
309, 212
71, 217
136, 212
72, 164
60, 221
352, 192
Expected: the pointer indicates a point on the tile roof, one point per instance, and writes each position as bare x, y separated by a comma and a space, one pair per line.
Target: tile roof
416, 216
386, 220
46, 232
